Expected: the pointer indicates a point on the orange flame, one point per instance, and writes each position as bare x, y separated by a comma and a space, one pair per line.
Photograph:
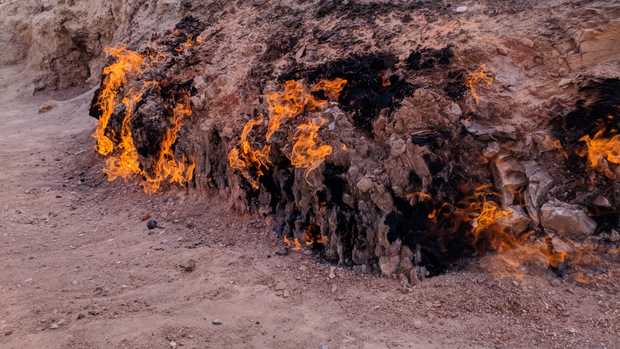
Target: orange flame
480, 76
246, 158
295, 101
116, 77
126, 164
308, 151
166, 166
599, 148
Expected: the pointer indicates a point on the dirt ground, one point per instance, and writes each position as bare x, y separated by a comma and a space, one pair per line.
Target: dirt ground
81, 269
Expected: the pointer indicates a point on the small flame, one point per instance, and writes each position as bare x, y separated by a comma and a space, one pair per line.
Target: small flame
480, 76
599, 148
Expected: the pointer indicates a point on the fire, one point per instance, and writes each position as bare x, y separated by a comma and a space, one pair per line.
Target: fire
166, 166
126, 164
189, 43
477, 78
247, 159
599, 148
308, 151
296, 244
297, 101
126, 61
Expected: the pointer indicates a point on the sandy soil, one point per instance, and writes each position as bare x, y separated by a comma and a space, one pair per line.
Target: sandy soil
81, 269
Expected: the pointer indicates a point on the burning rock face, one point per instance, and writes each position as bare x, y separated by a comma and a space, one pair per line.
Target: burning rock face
399, 167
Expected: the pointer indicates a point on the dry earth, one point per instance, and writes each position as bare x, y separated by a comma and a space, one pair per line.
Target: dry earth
81, 269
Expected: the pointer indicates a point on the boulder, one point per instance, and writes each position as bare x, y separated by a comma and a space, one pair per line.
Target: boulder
570, 219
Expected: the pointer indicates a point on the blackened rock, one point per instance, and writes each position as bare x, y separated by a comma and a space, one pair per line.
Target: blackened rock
152, 224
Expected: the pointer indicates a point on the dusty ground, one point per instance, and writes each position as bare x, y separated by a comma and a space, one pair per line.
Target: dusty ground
80, 269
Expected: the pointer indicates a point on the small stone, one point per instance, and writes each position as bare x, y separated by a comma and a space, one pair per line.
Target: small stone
152, 224
615, 236
217, 321
189, 266
145, 217
564, 82
323, 346
285, 294
173, 344
303, 268
280, 286
334, 288
54, 326
376, 307
417, 324
555, 282
8, 333
461, 9
502, 51
81, 316
515, 282
39, 329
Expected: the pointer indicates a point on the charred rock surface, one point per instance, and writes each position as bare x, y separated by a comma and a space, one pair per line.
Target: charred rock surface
431, 157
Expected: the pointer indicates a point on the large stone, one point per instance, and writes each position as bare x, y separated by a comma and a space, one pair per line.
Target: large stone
539, 184
572, 220
509, 176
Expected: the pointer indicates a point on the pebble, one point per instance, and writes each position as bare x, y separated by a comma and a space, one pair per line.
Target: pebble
564, 82
376, 307
217, 321
39, 329
323, 346
280, 286
152, 224
173, 344
461, 9
164, 242
334, 288
502, 51
54, 326
285, 294
555, 282
417, 324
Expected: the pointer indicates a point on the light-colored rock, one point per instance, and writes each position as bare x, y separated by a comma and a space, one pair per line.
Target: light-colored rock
509, 176
280, 286
572, 220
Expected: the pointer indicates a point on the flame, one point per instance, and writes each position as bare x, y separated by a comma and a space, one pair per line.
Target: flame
189, 43
166, 166
295, 101
126, 61
296, 244
308, 151
480, 76
247, 159
599, 148
126, 164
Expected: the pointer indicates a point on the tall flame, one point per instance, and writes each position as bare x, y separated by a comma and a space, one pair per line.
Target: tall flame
166, 166
116, 77
126, 164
